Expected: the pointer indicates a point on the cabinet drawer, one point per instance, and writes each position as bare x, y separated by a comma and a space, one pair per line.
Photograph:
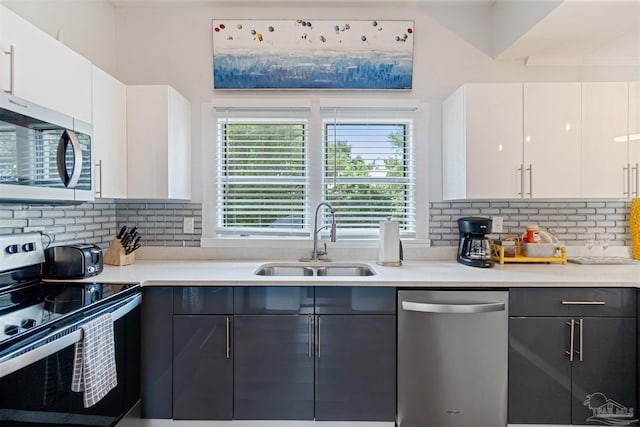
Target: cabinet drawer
355, 300
273, 300
586, 302
202, 300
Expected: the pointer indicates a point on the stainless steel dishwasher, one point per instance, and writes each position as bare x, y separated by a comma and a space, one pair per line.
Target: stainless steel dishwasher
452, 358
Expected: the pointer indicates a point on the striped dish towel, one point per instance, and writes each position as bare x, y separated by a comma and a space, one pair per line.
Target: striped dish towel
94, 364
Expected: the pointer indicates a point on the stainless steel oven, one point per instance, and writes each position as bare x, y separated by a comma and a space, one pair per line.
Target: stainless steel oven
44, 155
39, 325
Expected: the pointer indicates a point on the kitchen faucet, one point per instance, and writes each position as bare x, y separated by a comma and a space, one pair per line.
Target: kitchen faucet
316, 254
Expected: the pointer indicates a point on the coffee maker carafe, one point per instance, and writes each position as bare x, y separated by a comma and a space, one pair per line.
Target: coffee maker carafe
473, 247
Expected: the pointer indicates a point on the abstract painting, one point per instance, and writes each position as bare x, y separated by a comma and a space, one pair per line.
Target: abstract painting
310, 54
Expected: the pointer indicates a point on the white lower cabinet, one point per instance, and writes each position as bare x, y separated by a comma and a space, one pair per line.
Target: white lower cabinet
158, 143
38, 68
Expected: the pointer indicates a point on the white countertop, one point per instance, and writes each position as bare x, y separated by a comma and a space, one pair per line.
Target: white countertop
412, 273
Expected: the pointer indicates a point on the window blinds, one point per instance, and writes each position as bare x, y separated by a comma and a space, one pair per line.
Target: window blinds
263, 179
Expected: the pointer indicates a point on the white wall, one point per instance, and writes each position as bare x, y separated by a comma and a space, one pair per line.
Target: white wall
172, 45
86, 26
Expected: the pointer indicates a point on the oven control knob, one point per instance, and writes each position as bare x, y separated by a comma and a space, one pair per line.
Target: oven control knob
12, 249
29, 247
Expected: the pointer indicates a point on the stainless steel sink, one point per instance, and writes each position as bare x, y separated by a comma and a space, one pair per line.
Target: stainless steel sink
315, 269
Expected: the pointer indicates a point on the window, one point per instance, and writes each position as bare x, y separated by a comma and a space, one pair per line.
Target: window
263, 176
368, 173
276, 164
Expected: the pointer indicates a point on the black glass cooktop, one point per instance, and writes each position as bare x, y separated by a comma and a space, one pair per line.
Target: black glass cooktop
34, 308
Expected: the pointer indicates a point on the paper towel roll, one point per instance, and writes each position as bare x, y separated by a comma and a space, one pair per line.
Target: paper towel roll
389, 243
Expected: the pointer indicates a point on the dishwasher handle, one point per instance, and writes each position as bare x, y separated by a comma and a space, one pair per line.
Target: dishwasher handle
453, 308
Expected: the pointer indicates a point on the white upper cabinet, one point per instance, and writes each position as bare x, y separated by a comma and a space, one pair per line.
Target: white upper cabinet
552, 140
109, 135
36, 67
482, 133
158, 143
634, 137
605, 149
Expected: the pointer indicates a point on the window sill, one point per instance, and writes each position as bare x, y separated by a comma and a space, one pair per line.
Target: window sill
301, 243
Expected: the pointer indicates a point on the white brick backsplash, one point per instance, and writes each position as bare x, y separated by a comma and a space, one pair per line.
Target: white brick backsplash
570, 220
160, 223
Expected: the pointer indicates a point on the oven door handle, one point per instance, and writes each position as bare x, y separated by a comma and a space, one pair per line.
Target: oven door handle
11, 363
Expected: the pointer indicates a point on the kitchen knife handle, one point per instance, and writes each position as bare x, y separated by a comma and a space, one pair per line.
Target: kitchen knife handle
572, 324
12, 67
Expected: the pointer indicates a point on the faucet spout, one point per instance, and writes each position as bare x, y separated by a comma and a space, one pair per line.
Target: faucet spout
317, 253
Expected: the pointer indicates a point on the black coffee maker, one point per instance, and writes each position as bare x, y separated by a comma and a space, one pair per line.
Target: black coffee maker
473, 247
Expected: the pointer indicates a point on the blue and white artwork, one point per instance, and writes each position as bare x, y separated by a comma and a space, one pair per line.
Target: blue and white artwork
308, 54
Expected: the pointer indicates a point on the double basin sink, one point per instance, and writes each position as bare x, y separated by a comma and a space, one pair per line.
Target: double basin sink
302, 269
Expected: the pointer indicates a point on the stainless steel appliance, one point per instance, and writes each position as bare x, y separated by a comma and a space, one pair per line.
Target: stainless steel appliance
39, 325
452, 358
75, 261
44, 155
473, 246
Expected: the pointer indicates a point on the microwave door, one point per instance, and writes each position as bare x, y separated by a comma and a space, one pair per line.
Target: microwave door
84, 187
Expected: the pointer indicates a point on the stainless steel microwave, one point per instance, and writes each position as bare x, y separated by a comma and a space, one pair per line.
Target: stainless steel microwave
45, 156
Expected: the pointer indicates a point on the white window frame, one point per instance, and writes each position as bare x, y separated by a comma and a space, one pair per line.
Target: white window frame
211, 112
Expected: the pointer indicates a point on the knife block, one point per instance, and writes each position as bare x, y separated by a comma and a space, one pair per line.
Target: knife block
115, 254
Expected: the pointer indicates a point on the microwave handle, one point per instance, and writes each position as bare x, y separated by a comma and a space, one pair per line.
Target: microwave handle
69, 180
10, 365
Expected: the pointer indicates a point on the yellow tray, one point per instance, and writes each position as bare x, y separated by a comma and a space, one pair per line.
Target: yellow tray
497, 254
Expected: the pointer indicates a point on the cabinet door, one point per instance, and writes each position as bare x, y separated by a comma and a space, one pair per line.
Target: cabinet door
202, 368
493, 118
109, 135
604, 147
604, 375
552, 139
356, 368
273, 365
634, 135
539, 371
156, 371
45, 71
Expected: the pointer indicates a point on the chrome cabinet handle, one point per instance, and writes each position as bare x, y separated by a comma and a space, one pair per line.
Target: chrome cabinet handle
453, 308
521, 170
319, 335
626, 178
99, 190
12, 67
583, 303
228, 337
69, 180
530, 169
309, 332
572, 324
580, 353
637, 180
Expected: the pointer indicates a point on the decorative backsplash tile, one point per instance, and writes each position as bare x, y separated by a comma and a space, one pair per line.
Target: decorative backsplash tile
570, 220
160, 223
86, 223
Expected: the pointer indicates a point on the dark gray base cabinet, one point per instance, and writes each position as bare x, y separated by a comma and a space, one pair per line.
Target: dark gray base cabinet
273, 367
355, 368
202, 368
556, 380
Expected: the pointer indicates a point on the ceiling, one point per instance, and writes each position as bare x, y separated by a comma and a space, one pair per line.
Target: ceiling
537, 32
